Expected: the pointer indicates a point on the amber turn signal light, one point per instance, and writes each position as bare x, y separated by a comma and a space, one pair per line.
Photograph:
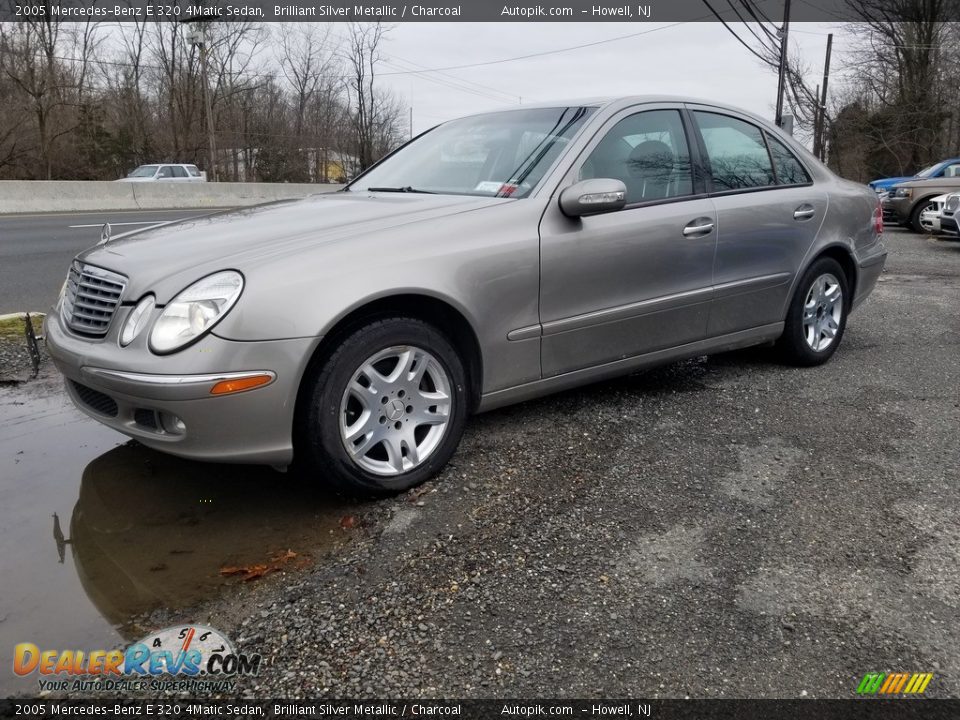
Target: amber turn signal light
235, 385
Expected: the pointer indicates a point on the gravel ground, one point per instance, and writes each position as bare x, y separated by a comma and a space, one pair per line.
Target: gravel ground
722, 527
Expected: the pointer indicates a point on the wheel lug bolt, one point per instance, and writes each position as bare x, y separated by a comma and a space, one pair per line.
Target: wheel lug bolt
409, 408
401, 394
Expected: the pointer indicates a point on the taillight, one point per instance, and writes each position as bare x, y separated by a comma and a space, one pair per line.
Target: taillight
878, 219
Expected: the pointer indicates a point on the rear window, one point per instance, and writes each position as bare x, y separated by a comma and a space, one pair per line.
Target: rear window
785, 164
738, 155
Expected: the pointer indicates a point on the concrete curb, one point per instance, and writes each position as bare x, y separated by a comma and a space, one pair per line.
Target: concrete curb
21, 315
39, 196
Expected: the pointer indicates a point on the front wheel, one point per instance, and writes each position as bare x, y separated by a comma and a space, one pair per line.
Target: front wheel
817, 316
386, 411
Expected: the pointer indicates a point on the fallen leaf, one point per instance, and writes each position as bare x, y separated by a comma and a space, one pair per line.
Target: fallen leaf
348, 521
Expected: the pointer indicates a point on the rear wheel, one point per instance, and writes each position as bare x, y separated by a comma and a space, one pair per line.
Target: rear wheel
386, 411
817, 316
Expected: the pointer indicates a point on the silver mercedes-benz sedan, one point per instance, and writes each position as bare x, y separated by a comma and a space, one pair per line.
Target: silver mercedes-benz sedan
492, 259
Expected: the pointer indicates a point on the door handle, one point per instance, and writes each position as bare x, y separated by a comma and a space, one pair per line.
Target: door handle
804, 212
698, 227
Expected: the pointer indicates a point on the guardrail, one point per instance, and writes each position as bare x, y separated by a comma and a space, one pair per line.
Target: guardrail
36, 196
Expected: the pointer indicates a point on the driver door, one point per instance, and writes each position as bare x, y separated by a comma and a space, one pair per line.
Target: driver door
621, 284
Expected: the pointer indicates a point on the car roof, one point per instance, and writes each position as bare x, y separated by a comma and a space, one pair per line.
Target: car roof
618, 101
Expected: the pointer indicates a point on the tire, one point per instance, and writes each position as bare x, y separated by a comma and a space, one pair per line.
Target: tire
806, 340
914, 223
401, 431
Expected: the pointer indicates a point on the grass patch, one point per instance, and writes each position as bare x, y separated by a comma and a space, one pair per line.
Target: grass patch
12, 328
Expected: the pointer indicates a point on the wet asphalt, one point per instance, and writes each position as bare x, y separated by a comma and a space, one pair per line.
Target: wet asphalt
36, 249
722, 527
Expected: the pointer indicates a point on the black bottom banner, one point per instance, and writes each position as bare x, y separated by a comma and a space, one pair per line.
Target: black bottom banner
383, 709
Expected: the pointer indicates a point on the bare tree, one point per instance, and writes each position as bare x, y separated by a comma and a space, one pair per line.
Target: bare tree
902, 50
363, 53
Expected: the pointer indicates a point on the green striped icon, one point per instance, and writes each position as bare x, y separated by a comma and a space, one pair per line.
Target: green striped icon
894, 683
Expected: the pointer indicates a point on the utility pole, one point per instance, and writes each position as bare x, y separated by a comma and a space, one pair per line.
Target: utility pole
784, 33
819, 135
816, 120
198, 38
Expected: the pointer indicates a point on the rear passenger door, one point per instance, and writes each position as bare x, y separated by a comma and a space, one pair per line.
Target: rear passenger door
179, 173
768, 215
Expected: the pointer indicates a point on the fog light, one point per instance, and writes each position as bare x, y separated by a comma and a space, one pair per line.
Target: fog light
172, 424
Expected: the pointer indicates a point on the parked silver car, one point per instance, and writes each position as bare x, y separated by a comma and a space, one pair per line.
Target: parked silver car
493, 259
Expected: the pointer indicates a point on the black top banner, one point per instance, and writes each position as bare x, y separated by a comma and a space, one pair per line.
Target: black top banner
425, 10
862, 709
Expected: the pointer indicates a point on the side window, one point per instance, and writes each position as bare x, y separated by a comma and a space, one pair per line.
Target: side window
192, 169
648, 152
789, 170
164, 172
179, 172
952, 171
737, 152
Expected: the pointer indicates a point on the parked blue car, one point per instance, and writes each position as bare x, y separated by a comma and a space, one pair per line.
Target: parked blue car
944, 168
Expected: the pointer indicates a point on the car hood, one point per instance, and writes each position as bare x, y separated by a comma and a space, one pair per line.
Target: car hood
164, 259
946, 183
886, 183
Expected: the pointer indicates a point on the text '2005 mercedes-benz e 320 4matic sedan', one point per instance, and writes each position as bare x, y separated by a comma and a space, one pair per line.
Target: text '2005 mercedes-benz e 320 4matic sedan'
490, 260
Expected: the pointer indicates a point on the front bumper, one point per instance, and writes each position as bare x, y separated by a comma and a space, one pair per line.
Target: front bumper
143, 395
897, 209
948, 224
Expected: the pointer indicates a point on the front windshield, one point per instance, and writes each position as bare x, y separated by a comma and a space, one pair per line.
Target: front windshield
927, 172
502, 154
144, 171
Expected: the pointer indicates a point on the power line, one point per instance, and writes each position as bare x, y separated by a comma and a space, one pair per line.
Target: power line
733, 32
455, 82
545, 52
445, 83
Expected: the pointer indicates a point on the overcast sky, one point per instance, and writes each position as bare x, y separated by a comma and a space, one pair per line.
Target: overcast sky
696, 59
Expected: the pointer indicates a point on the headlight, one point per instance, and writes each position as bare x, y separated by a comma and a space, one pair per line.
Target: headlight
194, 311
903, 192
137, 320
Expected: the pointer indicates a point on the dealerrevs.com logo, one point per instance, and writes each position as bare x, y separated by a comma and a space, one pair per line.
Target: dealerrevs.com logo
184, 657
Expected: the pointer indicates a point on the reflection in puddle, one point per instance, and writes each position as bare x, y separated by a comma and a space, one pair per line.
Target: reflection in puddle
143, 529
151, 530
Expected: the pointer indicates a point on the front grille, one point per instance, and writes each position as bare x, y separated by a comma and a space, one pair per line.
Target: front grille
95, 400
91, 298
952, 204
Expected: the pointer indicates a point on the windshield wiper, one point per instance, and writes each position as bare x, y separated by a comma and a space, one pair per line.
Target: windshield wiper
405, 189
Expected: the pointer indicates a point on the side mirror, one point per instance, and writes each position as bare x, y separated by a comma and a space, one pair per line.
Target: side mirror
591, 197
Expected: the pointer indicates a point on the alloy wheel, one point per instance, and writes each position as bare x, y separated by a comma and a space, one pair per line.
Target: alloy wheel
395, 410
822, 312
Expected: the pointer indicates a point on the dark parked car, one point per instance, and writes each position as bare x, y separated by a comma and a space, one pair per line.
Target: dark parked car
907, 202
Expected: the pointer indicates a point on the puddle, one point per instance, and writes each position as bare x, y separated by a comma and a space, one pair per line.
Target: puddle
95, 529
